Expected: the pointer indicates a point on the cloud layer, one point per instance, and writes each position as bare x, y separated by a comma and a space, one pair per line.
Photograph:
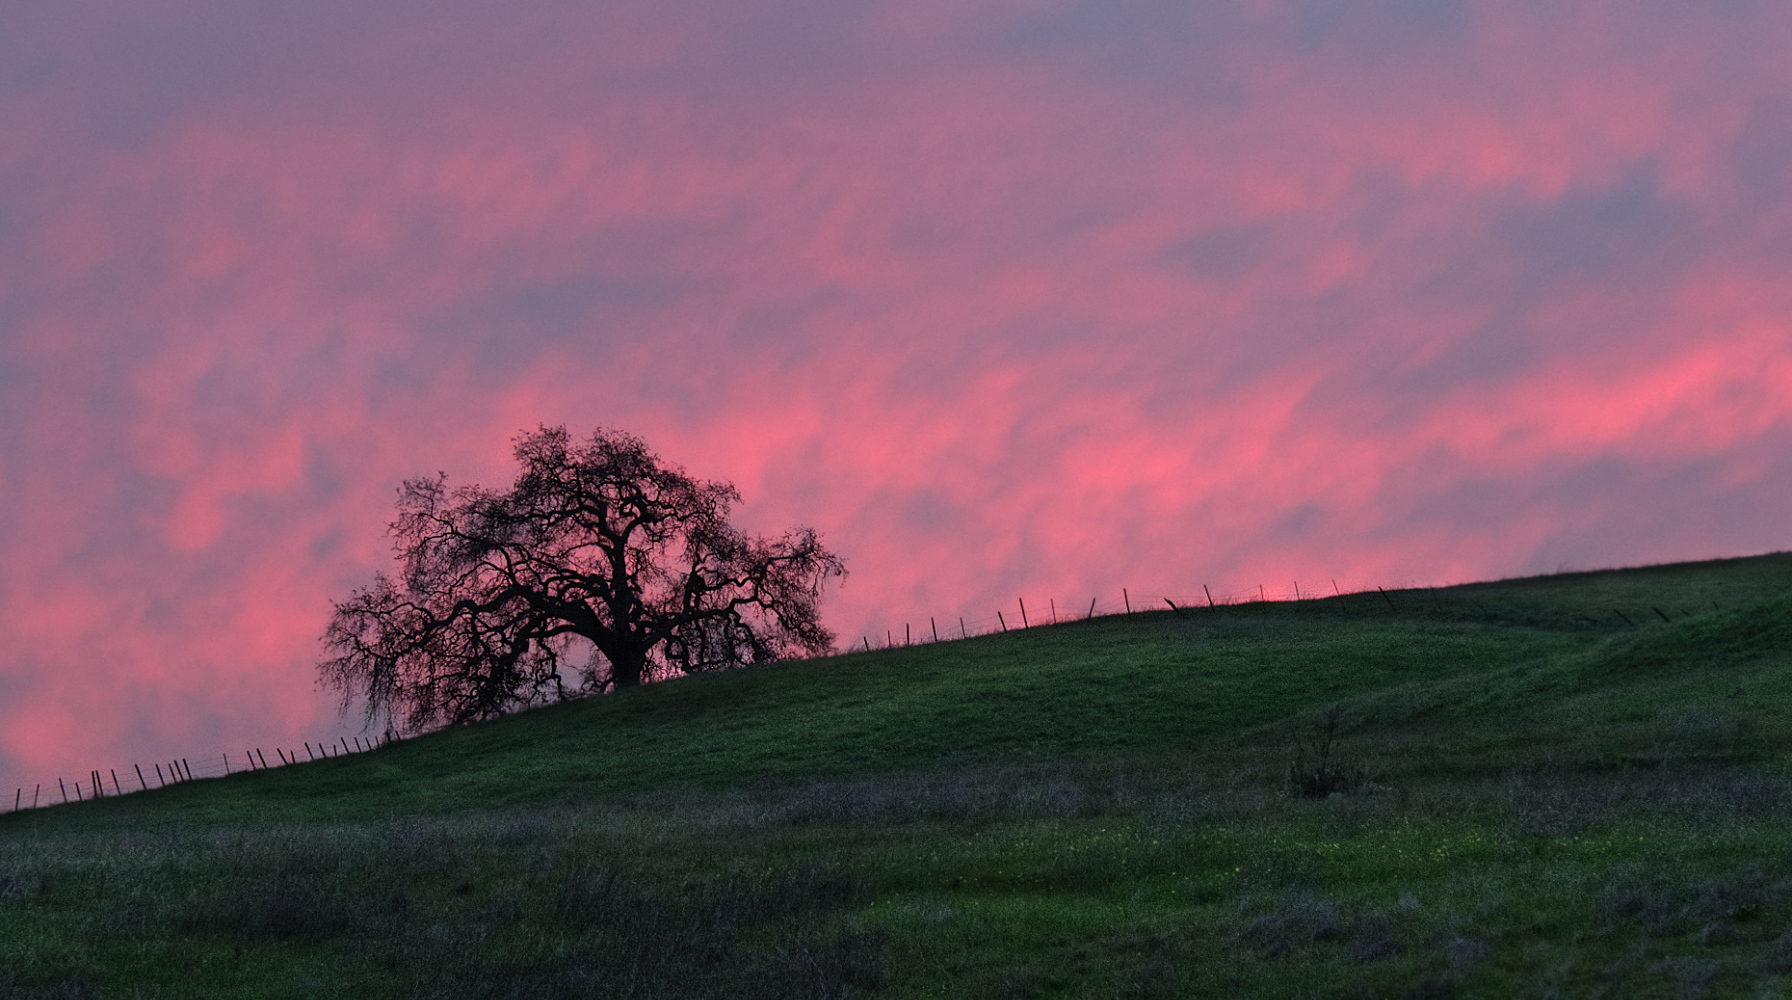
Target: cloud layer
1026, 299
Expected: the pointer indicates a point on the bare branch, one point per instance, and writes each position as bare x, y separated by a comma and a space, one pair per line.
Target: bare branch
600, 568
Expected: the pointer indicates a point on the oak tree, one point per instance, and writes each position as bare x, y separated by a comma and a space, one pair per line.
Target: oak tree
602, 567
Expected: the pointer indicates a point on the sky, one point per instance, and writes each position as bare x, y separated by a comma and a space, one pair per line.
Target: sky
1017, 299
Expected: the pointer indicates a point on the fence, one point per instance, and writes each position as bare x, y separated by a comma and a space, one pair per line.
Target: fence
109, 783
180, 770
1025, 616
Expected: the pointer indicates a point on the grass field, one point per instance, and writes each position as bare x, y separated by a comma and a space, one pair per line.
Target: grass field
1574, 785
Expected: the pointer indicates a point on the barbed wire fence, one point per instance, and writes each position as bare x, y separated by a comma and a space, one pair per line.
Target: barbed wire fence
1025, 616
110, 783
1330, 595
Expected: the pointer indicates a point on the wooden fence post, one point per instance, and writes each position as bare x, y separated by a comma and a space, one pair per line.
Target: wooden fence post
1297, 590
1023, 613
34, 793
226, 757
1209, 594
140, 780
907, 638
962, 633
935, 626
867, 642
160, 781
189, 768
1385, 597
264, 760
308, 752
1054, 603
1091, 613
1172, 605
64, 788
17, 798
1004, 621
115, 780
1124, 596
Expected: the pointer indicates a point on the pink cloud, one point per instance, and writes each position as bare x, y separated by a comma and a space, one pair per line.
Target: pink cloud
1036, 300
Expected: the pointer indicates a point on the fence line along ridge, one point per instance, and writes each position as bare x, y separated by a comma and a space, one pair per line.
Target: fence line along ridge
179, 770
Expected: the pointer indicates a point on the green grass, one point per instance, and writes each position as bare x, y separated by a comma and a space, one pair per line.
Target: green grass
1573, 785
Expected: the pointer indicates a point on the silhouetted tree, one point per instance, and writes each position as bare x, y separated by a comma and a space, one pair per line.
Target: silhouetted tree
599, 569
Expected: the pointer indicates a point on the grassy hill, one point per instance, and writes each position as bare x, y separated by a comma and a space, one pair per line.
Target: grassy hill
1571, 785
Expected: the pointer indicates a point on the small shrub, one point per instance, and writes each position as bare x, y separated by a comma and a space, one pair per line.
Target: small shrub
1319, 776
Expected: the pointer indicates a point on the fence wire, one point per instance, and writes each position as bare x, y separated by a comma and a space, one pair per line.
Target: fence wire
110, 782
1027, 614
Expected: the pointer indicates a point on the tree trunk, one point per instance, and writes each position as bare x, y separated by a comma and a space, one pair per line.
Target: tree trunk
627, 667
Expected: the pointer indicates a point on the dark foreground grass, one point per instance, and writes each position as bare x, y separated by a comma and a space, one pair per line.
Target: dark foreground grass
1550, 802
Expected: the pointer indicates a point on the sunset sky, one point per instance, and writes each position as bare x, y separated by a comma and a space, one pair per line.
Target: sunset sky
1035, 299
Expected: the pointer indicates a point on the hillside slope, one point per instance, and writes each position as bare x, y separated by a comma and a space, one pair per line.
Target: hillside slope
1570, 783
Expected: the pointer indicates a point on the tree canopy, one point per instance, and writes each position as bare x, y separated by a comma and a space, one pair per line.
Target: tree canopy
600, 568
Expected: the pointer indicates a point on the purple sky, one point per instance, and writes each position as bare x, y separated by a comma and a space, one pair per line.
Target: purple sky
1009, 300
